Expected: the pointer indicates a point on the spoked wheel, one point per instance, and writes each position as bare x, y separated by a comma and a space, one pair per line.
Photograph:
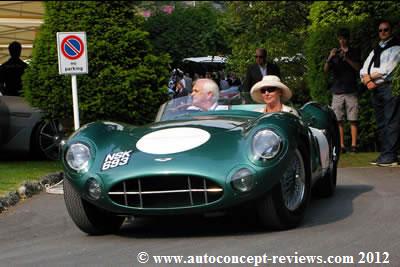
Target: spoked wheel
284, 207
47, 138
293, 184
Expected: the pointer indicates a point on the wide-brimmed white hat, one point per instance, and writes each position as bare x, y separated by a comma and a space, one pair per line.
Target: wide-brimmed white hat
270, 81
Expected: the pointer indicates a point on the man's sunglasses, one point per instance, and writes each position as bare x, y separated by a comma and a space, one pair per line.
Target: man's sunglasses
268, 89
259, 56
384, 30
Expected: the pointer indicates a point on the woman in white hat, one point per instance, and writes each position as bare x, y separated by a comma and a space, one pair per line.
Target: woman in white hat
271, 91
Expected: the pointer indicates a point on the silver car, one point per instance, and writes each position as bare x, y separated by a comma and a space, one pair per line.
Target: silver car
23, 129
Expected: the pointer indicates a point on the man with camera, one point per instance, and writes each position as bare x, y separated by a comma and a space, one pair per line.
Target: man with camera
344, 63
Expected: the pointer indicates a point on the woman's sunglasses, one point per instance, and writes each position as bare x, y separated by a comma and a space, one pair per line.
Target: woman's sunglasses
268, 89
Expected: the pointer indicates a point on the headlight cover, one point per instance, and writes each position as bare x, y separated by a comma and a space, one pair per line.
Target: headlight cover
78, 156
266, 144
243, 180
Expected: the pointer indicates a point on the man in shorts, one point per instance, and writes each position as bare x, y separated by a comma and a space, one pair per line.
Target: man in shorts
344, 63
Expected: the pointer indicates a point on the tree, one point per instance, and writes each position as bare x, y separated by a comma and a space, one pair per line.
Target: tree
187, 32
278, 26
126, 81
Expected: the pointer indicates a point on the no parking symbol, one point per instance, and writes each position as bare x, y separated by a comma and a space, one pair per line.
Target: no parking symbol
72, 53
72, 47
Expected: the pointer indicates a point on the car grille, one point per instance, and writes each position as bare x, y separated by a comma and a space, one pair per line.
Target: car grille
165, 192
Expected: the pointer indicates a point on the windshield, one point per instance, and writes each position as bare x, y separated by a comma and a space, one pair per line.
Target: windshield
180, 107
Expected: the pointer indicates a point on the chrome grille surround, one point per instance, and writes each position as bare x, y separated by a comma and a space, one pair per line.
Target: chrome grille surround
172, 191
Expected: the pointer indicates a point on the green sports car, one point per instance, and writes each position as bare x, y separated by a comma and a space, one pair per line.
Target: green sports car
195, 162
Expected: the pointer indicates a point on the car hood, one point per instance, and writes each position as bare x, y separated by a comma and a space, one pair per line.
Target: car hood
151, 145
111, 131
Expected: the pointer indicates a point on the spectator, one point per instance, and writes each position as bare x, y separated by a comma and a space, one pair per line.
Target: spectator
180, 90
255, 72
188, 82
12, 71
223, 84
233, 80
271, 91
344, 63
205, 94
377, 74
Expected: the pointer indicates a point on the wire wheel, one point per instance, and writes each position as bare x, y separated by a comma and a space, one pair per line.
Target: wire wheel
293, 183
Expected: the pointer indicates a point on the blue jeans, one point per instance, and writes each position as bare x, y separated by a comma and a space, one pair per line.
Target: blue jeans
387, 113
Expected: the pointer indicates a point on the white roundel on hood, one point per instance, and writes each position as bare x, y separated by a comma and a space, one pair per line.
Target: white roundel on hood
172, 140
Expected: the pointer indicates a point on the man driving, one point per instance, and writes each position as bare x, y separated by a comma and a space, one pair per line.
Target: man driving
205, 94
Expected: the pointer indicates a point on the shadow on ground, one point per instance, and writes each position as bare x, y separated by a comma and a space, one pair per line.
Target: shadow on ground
320, 212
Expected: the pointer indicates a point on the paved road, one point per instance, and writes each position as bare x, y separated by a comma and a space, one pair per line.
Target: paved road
362, 217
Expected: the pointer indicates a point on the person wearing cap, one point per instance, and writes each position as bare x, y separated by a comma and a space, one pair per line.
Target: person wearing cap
273, 93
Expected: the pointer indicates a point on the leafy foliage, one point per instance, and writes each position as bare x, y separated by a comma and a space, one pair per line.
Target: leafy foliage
187, 32
126, 81
248, 25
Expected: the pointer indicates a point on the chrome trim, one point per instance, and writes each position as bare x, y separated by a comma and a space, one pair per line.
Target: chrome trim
125, 195
190, 191
183, 191
167, 191
205, 192
140, 193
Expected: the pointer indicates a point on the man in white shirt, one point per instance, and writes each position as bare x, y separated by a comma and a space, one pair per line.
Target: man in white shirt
255, 72
377, 74
205, 93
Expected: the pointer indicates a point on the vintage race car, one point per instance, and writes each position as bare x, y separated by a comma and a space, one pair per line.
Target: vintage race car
195, 162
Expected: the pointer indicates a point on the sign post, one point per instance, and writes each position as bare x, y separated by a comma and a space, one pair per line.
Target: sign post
72, 59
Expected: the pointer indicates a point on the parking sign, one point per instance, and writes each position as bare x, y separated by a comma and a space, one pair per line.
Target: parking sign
72, 53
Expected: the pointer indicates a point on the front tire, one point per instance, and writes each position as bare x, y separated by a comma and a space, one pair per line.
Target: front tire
88, 217
284, 207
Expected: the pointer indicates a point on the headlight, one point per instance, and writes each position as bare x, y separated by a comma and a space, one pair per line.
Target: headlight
243, 180
93, 188
266, 144
78, 156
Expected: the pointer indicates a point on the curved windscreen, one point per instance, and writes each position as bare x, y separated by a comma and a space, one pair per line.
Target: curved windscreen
179, 107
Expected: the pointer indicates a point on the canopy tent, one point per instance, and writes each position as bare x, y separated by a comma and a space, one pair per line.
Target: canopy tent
19, 21
207, 59
201, 65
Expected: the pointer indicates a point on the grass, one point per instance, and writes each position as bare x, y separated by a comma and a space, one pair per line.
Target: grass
15, 173
348, 160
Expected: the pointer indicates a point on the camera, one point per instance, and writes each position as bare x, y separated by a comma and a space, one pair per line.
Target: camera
340, 53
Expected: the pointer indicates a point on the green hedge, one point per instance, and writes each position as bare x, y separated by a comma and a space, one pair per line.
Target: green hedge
126, 81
